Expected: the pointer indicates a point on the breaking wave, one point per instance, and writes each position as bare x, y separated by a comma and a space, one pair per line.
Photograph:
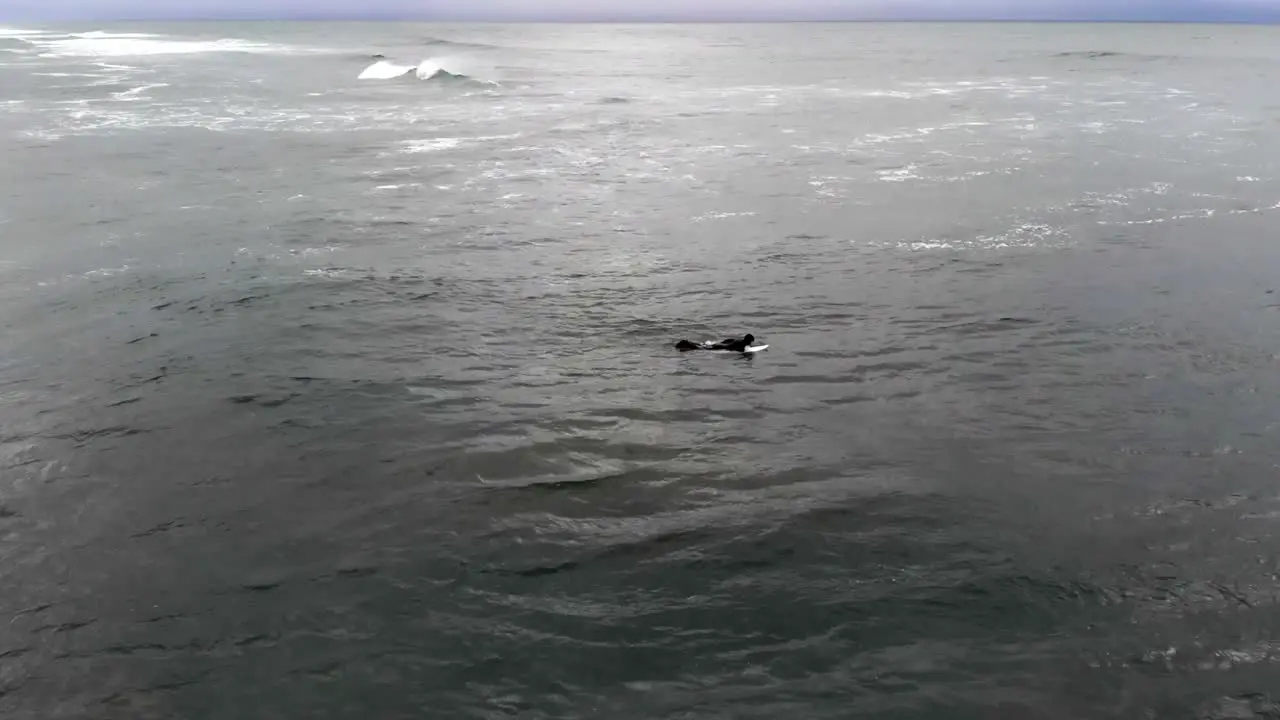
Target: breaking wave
385, 70
425, 70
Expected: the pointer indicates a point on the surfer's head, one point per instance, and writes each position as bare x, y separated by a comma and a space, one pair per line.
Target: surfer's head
749, 338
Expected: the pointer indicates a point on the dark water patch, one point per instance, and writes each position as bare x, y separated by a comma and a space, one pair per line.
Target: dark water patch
553, 462
583, 482
809, 379
65, 627
168, 617
640, 550
901, 368
176, 684
141, 380
541, 571
81, 437
164, 527
260, 587
1247, 706
260, 639
1091, 54
1013, 594
340, 229
1140, 57
35, 609
856, 399
986, 327
609, 417
265, 401
160, 650
759, 557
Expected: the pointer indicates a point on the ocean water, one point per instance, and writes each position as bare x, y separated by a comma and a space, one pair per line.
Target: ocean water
340, 397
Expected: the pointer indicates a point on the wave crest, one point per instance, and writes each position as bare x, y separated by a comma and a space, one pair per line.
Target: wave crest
385, 70
425, 70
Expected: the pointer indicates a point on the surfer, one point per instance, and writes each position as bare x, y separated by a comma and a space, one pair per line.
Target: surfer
730, 344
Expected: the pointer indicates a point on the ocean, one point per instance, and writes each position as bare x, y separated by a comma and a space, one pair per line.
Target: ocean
338, 374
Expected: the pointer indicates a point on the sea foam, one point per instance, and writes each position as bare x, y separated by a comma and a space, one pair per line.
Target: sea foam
386, 70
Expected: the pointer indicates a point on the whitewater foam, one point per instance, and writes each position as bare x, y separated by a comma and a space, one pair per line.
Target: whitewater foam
385, 69
8, 32
423, 146
98, 43
431, 68
720, 216
1024, 236
899, 174
101, 35
134, 93
448, 143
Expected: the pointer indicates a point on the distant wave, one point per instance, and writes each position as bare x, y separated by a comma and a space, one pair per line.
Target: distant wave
1091, 54
103, 35
100, 43
1112, 54
1118, 55
9, 32
425, 70
133, 45
440, 42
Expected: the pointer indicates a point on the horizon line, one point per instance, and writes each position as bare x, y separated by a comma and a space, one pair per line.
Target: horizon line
651, 21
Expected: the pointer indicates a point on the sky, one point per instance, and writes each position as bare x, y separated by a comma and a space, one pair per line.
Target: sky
696, 10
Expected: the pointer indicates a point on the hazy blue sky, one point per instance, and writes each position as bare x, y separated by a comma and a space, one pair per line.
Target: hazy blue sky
1209, 10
